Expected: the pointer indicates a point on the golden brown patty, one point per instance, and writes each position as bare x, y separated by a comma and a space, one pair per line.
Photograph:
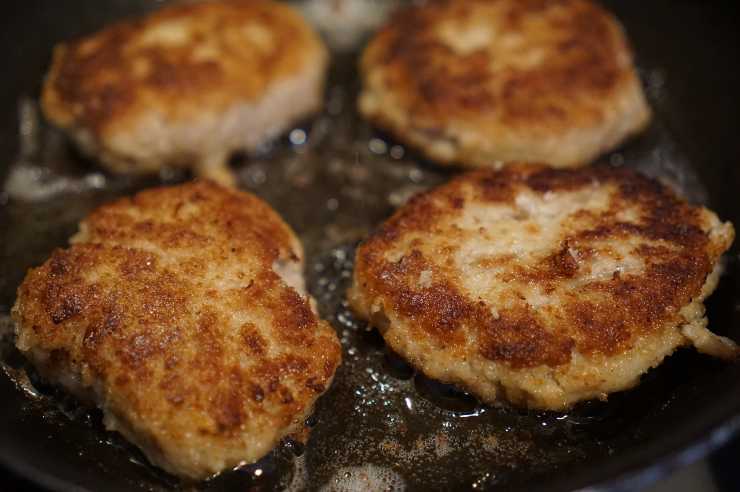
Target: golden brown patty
480, 82
187, 85
543, 287
181, 313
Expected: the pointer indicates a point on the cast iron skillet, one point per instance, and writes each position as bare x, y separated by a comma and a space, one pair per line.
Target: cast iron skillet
380, 422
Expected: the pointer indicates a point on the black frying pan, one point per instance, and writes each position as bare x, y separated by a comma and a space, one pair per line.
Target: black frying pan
380, 418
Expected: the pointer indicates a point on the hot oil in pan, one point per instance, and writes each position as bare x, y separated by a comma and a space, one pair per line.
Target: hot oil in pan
380, 425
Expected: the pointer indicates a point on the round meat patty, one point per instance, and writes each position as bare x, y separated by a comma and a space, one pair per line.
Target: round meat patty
543, 287
182, 313
186, 86
483, 82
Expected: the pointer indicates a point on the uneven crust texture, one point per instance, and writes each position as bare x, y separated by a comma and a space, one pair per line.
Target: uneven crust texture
187, 85
482, 82
181, 313
540, 286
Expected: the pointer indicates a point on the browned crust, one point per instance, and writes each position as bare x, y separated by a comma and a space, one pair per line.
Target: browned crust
102, 80
583, 63
480, 83
604, 317
168, 306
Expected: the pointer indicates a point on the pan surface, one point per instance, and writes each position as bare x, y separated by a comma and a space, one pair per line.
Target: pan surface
333, 180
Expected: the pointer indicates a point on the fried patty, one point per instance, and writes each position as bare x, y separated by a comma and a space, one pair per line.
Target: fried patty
482, 82
543, 287
186, 86
182, 313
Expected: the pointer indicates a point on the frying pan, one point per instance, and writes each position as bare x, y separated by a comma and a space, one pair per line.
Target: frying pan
380, 421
